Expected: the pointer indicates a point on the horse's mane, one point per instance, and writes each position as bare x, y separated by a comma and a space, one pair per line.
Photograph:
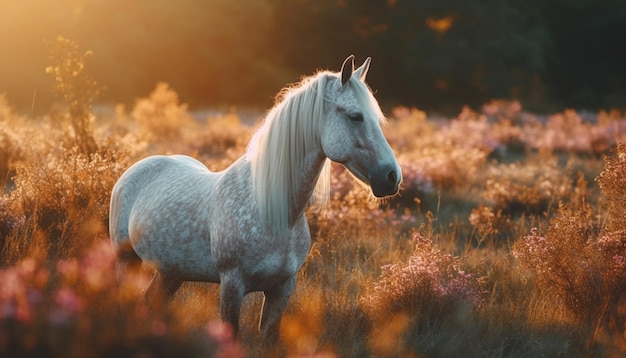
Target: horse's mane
276, 152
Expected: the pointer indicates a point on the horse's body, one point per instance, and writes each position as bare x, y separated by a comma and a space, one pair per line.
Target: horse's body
245, 227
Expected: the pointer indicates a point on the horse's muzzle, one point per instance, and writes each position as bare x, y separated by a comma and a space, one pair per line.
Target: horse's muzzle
385, 180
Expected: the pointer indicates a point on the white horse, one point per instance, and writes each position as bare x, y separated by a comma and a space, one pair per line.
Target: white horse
245, 227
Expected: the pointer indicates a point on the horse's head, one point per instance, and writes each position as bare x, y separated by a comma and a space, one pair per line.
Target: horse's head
352, 133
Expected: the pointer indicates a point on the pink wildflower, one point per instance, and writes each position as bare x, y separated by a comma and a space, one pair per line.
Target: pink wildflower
67, 306
18, 297
97, 265
222, 334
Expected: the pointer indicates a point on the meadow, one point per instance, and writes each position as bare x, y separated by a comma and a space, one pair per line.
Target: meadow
508, 238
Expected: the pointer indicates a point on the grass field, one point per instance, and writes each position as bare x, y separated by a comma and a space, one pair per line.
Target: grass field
508, 239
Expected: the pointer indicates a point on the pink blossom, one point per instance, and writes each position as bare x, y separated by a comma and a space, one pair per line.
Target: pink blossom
158, 328
67, 305
428, 273
97, 265
18, 296
222, 334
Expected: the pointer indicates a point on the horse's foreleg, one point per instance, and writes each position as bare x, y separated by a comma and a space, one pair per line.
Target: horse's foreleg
161, 289
274, 305
231, 296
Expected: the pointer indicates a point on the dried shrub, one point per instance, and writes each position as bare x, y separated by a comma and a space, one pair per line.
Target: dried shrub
60, 198
406, 127
161, 113
533, 186
549, 257
585, 271
585, 266
355, 211
221, 140
490, 223
569, 132
77, 87
612, 182
503, 109
434, 158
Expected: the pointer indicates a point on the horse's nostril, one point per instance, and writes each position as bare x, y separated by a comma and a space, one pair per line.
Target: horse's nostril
392, 177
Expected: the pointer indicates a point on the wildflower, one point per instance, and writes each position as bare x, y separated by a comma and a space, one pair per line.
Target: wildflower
158, 328
67, 305
97, 265
19, 290
428, 277
222, 334
18, 222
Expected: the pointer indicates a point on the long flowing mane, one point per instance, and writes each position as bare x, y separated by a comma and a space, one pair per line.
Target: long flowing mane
276, 152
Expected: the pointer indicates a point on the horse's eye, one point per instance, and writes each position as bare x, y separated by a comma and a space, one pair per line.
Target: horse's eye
356, 117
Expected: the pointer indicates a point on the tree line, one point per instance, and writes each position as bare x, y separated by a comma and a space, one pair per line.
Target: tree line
434, 54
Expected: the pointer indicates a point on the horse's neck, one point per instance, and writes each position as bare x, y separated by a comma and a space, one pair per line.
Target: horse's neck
314, 162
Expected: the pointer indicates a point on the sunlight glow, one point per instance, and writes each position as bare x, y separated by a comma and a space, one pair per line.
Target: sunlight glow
440, 25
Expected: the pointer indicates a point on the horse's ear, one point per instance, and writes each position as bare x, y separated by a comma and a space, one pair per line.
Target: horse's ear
346, 69
362, 70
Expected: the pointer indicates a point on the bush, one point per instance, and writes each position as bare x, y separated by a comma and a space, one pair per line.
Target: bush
59, 198
533, 187
430, 289
161, 113
425, 285
585, 266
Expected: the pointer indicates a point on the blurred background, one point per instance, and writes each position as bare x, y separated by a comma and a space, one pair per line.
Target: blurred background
434, 54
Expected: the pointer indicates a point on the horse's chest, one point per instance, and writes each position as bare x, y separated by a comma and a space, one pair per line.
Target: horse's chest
242, 242
266, 259
272, 270
262, 257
